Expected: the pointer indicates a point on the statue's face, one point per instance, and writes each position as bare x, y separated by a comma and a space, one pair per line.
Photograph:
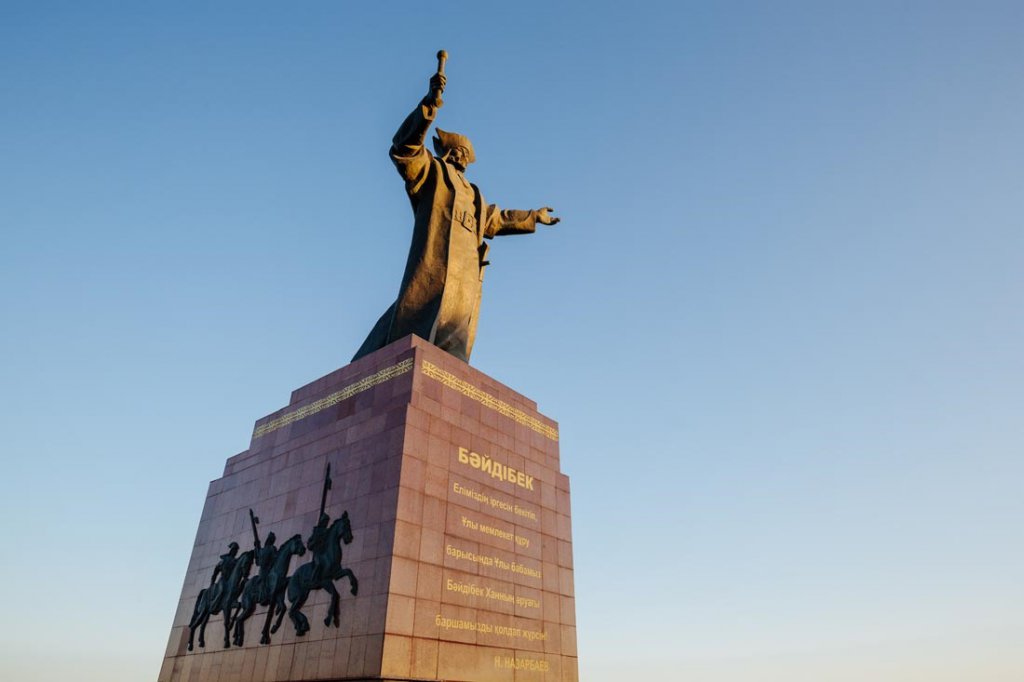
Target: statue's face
458, 157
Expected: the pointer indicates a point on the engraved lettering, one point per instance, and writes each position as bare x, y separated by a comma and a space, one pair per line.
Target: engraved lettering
521, 663
521, 511
497, 470
525, 570
475, 626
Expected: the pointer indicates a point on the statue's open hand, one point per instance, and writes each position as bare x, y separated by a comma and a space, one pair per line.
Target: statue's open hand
437, 83
544, 216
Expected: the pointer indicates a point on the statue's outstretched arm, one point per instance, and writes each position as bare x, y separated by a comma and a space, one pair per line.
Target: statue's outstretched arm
511, 221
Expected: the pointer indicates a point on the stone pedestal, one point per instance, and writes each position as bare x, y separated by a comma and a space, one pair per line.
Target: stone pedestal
461, 538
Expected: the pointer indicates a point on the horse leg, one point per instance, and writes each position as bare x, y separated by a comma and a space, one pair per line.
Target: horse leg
246, 608
353, 583
235, 620
299, 619
202, 630
281, 611
265, 632
197, 612
192, 624
332, 610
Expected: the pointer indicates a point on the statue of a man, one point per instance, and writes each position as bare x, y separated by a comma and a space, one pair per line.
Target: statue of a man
440, 295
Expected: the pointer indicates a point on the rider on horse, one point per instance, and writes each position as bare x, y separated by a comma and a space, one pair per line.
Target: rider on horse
223, 570
265, 557
317, 544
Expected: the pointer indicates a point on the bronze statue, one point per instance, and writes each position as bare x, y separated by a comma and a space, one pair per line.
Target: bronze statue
439, 299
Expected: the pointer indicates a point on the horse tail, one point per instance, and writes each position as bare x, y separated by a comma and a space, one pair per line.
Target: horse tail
200, 604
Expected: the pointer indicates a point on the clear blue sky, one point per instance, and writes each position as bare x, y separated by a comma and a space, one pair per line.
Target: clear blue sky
780, 324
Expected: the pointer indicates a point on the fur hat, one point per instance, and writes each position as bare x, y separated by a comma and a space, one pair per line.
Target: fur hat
445, 141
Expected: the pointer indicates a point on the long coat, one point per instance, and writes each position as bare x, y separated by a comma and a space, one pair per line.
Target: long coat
440, 295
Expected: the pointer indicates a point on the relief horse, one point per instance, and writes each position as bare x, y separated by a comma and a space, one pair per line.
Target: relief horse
320, 574
217, 598
269, 592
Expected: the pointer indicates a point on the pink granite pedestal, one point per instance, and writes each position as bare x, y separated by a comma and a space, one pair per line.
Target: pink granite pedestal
460, 517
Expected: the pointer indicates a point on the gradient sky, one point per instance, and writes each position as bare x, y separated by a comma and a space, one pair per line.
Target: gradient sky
780, 324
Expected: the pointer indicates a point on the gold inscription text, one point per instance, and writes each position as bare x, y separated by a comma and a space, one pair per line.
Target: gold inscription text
486, 560
446, 623
497, 470
519, 540
494, 502
474, 590
521, 663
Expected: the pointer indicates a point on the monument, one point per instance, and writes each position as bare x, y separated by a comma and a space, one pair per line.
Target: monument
426, 515
439, 298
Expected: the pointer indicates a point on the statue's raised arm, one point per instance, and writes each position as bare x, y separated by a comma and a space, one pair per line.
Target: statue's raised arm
439, 299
